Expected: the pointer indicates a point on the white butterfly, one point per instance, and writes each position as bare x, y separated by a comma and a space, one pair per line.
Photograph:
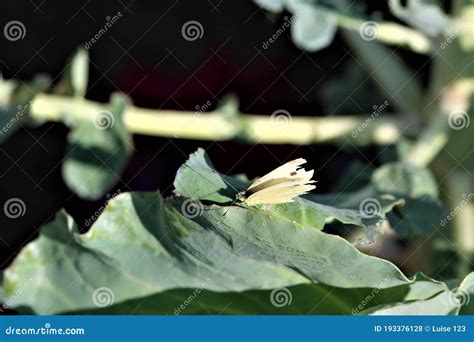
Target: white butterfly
281, 185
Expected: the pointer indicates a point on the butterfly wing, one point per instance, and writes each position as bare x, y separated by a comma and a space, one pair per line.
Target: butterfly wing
280, 193
288, 170
281, 185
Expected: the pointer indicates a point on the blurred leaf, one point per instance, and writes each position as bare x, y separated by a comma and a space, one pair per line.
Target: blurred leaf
97, 152
314, 27
80, 73
229, 107
457, 153
403, 146
356, 177
6, 88
272, 5
350, 84
142, 246
76, 76
405, 179
397, 82
13, 114
424, 15
422, 212
11, 118
418, 216
405, 193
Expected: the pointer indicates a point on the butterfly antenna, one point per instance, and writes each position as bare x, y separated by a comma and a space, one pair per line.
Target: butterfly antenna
233, 202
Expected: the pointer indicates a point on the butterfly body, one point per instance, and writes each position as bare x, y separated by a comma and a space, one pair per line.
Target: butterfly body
281, 185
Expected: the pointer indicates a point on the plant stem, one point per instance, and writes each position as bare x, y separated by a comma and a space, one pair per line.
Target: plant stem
219, 125
390, 33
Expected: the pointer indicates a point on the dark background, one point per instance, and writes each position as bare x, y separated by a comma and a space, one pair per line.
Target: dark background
145, 56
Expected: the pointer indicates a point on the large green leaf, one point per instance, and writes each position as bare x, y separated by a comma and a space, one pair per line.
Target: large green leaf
192, 253
143, 246
97, 151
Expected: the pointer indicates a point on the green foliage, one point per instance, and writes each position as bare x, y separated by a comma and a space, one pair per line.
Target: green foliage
76, 77
314, 27
395, 80
143, 245
422, 14
97, 151
180, 256
422, 212
404, 193
200, 252
16, 111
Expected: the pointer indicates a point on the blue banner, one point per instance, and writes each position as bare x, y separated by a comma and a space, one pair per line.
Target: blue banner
237, 328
